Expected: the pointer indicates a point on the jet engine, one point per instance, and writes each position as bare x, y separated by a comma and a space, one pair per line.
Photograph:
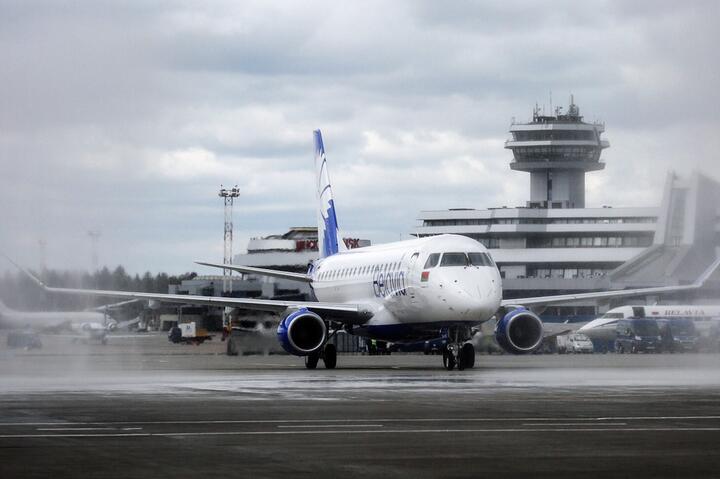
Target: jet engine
302, 332
520, 331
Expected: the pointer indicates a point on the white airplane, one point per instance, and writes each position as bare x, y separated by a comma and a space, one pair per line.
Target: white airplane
407, 291
705, 317
88, 325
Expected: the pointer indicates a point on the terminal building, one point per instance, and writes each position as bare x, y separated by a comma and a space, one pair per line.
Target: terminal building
291, 251
554, 244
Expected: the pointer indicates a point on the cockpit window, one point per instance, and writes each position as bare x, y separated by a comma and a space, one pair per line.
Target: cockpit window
454, 259
480, 259
432, 261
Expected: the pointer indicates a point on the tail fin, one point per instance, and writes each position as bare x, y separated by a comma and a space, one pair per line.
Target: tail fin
329, 237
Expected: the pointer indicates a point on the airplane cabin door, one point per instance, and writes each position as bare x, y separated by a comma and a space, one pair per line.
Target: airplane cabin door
413, 278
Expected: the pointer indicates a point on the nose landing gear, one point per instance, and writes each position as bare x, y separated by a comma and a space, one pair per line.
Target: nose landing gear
458, 352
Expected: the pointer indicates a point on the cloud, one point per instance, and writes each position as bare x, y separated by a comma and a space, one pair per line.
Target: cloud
127, 117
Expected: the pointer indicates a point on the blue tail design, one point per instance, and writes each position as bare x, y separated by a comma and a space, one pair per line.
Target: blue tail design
329, 237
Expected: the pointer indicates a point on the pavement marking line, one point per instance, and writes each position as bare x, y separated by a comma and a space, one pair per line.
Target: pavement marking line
375, 420
545, 424
329, 425
76, 428
374, 431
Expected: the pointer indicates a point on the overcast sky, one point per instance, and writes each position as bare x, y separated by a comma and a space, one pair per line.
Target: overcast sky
125, 117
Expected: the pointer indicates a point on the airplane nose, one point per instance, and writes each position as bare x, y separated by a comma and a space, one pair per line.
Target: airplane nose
470, 294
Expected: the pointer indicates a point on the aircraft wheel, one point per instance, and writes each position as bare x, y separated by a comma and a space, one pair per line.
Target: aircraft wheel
448, 360
311, 360
232, 349
467, 357
330, 356
619, 349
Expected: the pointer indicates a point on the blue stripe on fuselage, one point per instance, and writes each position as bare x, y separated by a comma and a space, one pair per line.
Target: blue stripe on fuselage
408, 332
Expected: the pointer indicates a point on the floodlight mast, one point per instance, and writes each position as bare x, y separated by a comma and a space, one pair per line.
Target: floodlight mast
228, 195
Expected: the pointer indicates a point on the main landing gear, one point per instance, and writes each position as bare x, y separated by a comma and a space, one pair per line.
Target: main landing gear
327, 353
458, 352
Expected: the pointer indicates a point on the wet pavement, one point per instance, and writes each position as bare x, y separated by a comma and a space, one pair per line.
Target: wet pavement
143, 408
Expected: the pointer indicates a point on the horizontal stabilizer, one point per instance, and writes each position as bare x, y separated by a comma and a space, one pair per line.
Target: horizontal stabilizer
260, 271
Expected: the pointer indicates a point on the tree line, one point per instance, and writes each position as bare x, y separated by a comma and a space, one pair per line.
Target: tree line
18, 291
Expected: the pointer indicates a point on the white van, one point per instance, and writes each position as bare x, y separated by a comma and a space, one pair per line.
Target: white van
575, 343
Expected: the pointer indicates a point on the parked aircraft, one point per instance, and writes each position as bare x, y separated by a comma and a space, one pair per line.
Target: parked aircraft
88, 325
407, 291
705, 317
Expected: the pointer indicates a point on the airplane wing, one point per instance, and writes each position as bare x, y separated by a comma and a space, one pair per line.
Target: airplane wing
566, 298
340, 312
345, 313
551, 330
306, 278
106, 307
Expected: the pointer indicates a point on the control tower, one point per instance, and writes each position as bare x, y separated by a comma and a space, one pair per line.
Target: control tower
557, 151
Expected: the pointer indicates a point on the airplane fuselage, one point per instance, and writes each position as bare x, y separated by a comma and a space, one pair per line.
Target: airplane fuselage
90, 324
407, 296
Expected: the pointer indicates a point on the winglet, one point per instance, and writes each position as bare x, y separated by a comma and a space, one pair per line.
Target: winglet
34, 278
329, 237
707, 273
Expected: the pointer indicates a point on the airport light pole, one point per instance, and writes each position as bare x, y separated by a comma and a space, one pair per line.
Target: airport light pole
94, 237
228, 195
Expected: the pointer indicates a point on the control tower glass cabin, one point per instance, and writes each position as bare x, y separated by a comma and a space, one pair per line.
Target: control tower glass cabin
557, 151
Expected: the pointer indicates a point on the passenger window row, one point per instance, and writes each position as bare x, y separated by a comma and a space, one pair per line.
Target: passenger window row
359, 271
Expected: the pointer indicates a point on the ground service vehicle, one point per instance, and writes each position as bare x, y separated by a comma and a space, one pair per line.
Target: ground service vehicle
638, 335
24, 339
574, 343
678, 334
188, 333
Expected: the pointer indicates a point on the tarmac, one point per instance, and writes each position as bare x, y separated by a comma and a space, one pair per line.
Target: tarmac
141, 407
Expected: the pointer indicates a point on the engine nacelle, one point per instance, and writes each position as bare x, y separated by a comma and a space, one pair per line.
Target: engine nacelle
520, 331
302, 332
